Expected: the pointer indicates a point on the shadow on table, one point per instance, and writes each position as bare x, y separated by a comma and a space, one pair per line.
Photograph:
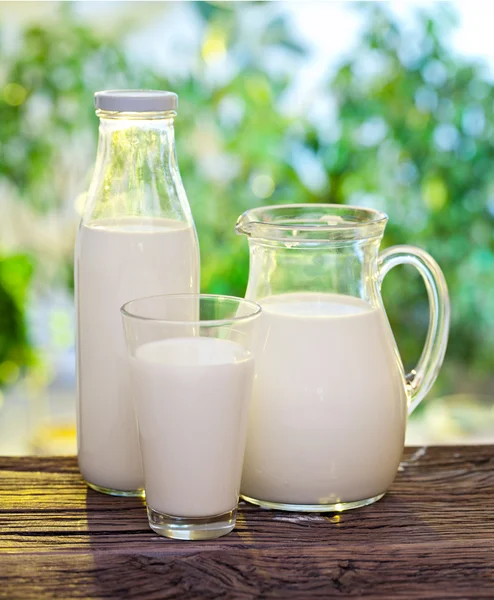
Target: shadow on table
118, 529
130, 561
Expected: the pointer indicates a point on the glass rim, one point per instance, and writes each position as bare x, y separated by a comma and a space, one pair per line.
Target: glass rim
256, 310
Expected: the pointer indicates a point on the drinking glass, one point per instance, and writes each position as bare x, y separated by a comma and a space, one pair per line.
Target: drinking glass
191, 363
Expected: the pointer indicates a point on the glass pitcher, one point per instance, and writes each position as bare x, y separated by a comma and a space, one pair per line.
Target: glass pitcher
331, 398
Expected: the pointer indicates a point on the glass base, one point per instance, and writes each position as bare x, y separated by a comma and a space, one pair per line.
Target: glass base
112, 492
191, 528
338, 507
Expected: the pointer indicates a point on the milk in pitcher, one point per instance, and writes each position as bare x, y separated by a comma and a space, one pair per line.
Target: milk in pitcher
328, 413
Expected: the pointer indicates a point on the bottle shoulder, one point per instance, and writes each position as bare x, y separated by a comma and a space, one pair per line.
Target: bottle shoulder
137, 175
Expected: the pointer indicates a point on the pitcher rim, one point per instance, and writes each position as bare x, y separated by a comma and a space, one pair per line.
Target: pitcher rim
370, 226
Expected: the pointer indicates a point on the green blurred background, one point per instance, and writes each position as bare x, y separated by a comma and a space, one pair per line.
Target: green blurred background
401, 122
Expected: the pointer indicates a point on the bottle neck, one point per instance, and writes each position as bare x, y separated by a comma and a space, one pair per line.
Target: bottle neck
136, 172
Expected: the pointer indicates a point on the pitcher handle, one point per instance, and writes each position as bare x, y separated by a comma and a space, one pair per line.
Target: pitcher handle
421, 379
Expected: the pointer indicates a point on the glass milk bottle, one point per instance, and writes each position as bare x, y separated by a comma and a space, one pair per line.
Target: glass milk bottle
136, 239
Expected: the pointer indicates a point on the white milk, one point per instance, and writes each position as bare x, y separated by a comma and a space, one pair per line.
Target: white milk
192, 399
117, 261
328, 415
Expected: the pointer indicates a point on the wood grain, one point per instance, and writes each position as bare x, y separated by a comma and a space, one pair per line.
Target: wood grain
432, 536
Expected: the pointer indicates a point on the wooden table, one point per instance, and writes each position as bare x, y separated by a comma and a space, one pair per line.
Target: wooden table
432, 536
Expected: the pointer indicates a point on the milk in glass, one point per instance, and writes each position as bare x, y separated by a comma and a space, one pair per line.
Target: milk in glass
192, 396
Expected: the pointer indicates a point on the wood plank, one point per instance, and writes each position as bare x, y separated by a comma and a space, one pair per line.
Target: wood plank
242, 573
431, 536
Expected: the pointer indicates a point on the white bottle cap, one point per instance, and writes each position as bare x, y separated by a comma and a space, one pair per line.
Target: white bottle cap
135, 101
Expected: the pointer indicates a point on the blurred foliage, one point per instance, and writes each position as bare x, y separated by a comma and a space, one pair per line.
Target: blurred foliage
47, 99
416, 125
15, 351
411, 133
